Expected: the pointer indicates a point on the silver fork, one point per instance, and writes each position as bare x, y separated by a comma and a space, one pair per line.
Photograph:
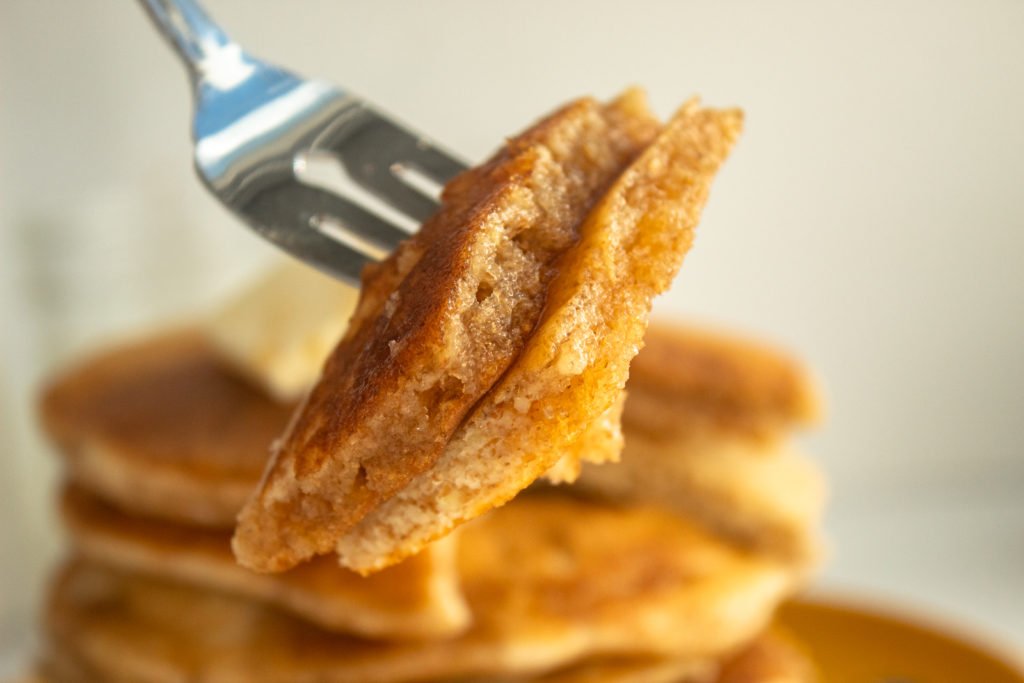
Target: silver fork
257, 128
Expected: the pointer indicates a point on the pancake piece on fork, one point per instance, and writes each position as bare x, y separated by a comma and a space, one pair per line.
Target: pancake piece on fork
438, 322
575, 363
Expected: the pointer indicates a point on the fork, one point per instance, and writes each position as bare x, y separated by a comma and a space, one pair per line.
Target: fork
258, 130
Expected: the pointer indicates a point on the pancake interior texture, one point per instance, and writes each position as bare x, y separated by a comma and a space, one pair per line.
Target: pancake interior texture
419, 598
162, 428
438, 322
576, 361
589, 581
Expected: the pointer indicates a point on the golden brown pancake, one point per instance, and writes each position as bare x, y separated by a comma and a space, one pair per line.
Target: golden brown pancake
705, 429
687, 379
437, 324
588, 581
419, 598
761, 494
160, 427
771, 658
576, 361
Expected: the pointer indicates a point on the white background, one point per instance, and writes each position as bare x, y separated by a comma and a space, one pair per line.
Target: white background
871, 219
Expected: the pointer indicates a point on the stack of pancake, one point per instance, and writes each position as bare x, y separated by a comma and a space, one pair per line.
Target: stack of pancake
246, 504
665, 566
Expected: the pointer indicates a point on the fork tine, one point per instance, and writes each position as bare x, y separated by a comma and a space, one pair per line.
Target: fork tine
292, 198
289, 211
435, 163
370, 149
319, 250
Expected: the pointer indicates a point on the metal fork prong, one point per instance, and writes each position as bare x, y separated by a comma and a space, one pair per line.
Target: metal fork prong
317, 249
371, 148
293, 201
435, 163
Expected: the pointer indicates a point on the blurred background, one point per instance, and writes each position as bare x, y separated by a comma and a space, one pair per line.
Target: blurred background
871, 220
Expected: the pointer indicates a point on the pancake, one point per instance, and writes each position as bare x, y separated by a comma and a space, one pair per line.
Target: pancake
601, 442
575, 363
589, 581
160, 427
771, 658
705, 430
418, 598
437, 323
761, 494
687, 380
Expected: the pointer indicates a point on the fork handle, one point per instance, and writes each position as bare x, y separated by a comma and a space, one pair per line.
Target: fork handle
188, 28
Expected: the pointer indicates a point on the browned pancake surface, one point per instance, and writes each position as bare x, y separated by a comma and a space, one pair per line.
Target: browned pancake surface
687, 379
163, 428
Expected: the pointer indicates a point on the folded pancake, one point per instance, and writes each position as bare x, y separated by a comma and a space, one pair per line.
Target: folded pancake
162, 428
588, 581
576, 361
706, 429
437, 323
419, 598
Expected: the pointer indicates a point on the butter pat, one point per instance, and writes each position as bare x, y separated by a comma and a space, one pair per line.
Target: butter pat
280, 331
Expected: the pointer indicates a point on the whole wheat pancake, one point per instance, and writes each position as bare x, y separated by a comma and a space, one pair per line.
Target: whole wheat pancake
588, 581
576, 361
418, 598
772, 658
705, 429
160, 427
436, 325
762, 494
687, 379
